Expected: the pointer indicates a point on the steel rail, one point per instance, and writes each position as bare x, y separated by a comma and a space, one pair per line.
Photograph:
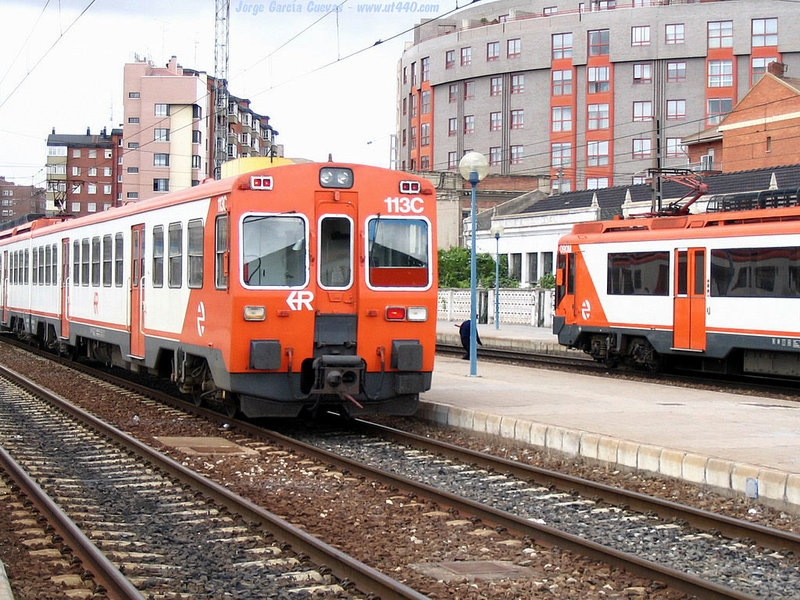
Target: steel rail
366, 578
105, 573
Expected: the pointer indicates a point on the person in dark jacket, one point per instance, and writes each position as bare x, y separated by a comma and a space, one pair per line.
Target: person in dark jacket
463, 332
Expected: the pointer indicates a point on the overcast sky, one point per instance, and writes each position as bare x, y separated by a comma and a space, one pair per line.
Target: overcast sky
62, 70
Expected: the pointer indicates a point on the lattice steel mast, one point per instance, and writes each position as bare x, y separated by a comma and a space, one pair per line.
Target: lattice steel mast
221, 38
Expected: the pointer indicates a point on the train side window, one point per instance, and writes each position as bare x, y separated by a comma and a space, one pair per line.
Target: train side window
95, 261
194, 253
398, 252
683, 273
221, 252
76, 262
158, 256
119, 257
107, 260
48, 258
571, 273
41, 265
85, 261
700, 273
55, 264
27, 265
175, 249
638, 273
35, 266
335, 252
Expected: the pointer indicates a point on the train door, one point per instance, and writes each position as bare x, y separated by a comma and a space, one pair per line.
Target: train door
64, 288
335, 251
689, 324
137, 290
4, 298
565, 283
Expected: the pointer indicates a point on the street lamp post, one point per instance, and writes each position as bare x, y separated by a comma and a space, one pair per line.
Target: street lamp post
497, 231
473, 167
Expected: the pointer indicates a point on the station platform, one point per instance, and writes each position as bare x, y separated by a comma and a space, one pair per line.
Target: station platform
737, 444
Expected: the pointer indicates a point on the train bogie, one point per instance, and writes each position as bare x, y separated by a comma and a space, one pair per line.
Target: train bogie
298, 288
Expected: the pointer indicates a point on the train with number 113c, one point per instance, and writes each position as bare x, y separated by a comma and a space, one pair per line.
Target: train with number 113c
717, 291
279, 293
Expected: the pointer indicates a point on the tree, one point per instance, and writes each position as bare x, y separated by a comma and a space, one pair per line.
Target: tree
454, 269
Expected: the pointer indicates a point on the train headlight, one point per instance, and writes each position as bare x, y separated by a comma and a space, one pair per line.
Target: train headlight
255, 313
336, 177
417, 313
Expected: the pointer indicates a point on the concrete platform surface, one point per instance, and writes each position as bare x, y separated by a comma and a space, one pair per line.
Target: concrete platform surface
741, 444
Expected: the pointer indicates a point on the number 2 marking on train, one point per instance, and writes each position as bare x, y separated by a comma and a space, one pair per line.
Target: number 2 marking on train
201, 319
586, 310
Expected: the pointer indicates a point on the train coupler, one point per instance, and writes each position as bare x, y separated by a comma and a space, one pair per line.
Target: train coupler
336, 374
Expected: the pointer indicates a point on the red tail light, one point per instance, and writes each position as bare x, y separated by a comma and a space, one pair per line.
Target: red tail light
395, 313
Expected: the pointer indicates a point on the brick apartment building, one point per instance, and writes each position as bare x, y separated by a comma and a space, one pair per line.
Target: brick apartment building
169, 129
582, 92
19, 200
82, 171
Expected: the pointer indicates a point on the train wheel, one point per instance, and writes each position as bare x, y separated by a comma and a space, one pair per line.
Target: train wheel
230, 406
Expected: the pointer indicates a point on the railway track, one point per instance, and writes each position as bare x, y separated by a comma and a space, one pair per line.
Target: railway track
517, 488
174, 533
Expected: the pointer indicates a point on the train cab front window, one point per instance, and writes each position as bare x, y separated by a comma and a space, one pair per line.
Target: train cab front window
274, 251
398, 252
335, 252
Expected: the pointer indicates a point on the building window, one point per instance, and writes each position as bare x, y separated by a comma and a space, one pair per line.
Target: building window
133, 145
76, 153
517, 83
596, 183
642, 73
562, 45
91, 188
160, 185
425, 107
675, 148
449, 59
676, 71
597, 153
643, 110
469, 124
196, 136
640, 35
598, 42
133, 170
92, 172
495, 121
452, 126
561, 155
413, 140
514, 48
562, 82
452, 160
133, 120
196, 161
133, 94
452, 93
413, 74
492, 51
561, 118
515, 152
720, 34
466, 56
642, 148
469, 90
674, 34
716, 109
425, 134
720, 73
598, 116
425, 163
495, 156
107, 190
160, 159
160, 134
549, 10
676, 109
106, 171
76, 171
759, 67
598, 79
425, 68
132, 195
517, 118
495, 86
765, 32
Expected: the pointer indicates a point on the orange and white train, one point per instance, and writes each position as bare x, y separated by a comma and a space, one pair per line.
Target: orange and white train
283, 292
717, 291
